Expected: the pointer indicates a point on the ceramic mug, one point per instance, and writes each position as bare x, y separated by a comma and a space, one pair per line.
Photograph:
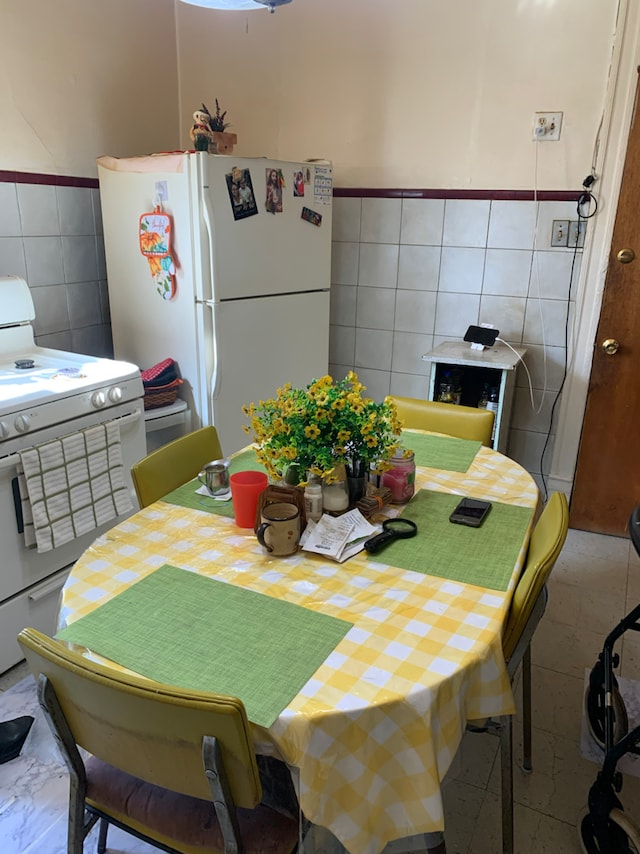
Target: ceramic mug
279, 532
215, 476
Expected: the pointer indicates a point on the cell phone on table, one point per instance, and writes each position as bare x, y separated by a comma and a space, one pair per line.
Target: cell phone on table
470, 511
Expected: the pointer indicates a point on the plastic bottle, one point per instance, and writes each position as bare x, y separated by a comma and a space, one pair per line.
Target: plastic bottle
492, 404
484, 397
456, 376
313, 501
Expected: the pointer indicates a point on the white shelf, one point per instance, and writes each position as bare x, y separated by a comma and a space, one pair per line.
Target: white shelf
166, 416
497, 364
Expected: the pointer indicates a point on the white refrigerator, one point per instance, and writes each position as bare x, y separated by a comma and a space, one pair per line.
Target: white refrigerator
237, 288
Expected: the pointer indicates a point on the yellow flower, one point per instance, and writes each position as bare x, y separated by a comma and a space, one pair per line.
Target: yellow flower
279, 426
371, 441
312, 431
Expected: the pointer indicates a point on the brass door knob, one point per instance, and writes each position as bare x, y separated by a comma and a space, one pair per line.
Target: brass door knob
610, 346
626, 256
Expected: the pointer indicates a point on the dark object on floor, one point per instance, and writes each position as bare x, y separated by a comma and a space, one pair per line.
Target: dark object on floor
605, 827
13, 735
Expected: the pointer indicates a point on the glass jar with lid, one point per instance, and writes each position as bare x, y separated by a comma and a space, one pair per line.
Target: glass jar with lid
401, 477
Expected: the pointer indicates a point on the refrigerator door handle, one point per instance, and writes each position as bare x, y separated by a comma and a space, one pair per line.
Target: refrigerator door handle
215, 375
207, 216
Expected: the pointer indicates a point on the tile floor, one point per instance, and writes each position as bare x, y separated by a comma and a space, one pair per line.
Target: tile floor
595, 582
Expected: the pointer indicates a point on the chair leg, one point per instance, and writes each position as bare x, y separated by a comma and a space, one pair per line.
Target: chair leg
102, 836
527, 765
506, 761
435, 843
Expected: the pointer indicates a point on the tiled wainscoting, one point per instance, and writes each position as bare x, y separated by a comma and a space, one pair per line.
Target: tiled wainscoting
409, 273
51, 235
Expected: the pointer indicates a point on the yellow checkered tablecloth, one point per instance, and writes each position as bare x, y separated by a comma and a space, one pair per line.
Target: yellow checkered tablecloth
375, 729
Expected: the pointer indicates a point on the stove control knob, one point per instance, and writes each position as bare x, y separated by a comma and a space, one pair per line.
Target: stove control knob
115, 394
22, 423
98, 399
4, 430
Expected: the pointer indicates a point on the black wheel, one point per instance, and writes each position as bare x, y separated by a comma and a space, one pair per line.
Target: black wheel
625, 836
594, 709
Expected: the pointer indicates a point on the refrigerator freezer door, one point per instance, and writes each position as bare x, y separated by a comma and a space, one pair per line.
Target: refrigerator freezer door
267, 253
262, 344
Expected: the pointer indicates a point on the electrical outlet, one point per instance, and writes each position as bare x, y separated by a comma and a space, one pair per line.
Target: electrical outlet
560, 232
546, 127
577, 229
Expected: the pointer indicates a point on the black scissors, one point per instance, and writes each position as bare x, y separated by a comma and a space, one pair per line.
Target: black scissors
392, 529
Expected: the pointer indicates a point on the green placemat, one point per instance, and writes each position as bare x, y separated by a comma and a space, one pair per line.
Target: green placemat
441, 452
186, 495
187, 630
483, 556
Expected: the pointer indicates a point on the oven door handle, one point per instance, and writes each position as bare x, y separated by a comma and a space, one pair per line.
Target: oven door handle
14, 459
11, 460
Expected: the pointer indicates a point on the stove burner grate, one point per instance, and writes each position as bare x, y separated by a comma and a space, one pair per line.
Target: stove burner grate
24, 364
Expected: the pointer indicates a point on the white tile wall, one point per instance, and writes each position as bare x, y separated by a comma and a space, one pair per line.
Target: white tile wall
52, 237
422, 221
9, 214
466, 223
409, 274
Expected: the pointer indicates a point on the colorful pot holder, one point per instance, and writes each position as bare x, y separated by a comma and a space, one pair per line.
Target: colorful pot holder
155, 242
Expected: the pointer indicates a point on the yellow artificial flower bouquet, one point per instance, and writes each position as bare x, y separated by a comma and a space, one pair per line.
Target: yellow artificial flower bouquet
324, 425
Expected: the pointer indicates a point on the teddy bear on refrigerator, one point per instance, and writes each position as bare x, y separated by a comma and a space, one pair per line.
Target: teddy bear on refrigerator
201, 133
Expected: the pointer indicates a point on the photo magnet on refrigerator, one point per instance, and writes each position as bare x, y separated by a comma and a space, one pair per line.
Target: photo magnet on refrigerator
298, 183
311, 216
243, 202
275, 183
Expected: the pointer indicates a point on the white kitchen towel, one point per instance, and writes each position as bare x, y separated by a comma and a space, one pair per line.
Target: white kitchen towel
73, 485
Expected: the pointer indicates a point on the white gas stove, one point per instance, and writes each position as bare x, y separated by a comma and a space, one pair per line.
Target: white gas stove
49, 395
40, 387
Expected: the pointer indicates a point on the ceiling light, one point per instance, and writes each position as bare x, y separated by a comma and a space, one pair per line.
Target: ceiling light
238, 5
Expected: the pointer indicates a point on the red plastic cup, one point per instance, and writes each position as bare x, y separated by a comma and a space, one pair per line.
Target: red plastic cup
246, 487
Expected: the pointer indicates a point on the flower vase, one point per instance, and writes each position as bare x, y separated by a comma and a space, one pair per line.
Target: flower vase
222, 142
357, 488
356, 480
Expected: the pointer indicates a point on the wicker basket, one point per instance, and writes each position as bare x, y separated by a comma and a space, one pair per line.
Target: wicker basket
162, 395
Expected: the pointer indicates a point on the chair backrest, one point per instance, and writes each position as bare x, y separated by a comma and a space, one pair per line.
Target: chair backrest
546, 542
154, 732
174, 464
463, 422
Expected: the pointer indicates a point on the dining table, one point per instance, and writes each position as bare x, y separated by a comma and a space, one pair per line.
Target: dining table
361, 676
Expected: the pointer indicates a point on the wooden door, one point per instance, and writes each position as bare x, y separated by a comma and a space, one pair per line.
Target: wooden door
607, 481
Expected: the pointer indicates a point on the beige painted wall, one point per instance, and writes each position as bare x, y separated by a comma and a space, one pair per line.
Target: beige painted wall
80, 78
409, 93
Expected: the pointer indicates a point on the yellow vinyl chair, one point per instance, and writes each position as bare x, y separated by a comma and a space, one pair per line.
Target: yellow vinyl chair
463, 422
527, 607
174, 464
174, 767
